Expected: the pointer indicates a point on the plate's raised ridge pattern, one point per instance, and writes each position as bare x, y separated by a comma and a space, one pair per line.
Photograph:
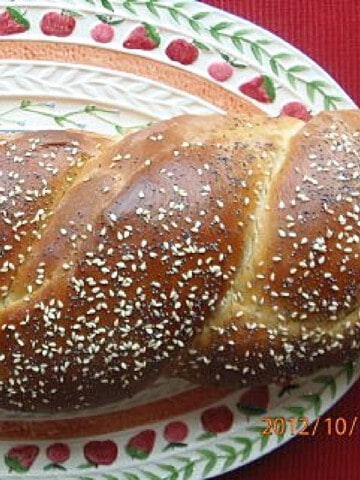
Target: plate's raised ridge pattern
217, 35
106, 94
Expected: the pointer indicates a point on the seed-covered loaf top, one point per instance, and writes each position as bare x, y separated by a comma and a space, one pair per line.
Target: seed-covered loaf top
196, 241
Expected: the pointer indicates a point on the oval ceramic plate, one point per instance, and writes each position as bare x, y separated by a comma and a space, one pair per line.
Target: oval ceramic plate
107, 66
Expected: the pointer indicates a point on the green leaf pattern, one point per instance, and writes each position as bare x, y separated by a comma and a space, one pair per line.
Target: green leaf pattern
68, 120
107, 4
230, 452
223, 32
16, 15
221, 35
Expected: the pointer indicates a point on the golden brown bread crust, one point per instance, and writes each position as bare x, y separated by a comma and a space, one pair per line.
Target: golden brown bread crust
36, 171
133, 258
295, 308
175, 247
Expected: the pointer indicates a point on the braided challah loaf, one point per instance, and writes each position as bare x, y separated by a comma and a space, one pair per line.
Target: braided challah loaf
219, 248
294, 305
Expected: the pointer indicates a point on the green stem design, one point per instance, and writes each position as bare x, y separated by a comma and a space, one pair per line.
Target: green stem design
62, 120
232, 454
207, 459
11, 110
102, 119
59, 119
238, 38
259, 51
4, 120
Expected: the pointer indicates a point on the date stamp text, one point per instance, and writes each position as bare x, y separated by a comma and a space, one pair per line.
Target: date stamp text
333, 426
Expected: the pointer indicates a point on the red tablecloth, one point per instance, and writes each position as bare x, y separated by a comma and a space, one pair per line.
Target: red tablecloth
327, 31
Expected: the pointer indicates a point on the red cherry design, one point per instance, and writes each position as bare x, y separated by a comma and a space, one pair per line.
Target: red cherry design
297, 110
57, 24
102, 33
176, 432
58, 453
259, 88
217, 419
101, 452
144, 37
182, 51
141, 445
21, 457
254, 401
10, 25
220, 71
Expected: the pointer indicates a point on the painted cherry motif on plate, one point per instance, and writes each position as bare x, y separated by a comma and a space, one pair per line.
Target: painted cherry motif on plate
220, 71
182, 51
99, 452
217, 420
103, 33
176, 433
141, 445
144, 37
254, 401
58, 454
13, 21
58, 24
21, 458
297, 110
260, 88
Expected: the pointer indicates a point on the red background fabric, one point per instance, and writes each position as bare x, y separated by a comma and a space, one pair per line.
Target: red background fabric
329, 32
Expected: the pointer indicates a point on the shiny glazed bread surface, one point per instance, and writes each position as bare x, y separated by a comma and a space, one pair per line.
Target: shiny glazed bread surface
223, 249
